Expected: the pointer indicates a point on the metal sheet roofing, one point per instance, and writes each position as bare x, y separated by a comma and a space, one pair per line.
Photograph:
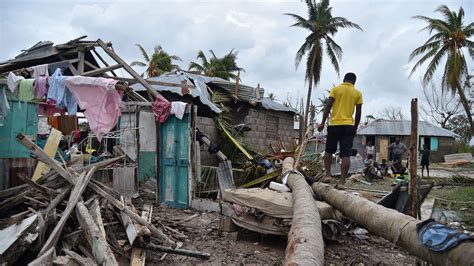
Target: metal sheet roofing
403, 128
246, 93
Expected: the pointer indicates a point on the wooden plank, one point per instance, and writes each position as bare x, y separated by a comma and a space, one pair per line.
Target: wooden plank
36, 186
44, 157
101, 250
119, 205
78, 258
99, 71
128, 68
129, 226
46, 259
76, 193
155, 82
184, 252
80, 64
139, 255
94, 210
383, 144
50, 148
413, 157
103, 61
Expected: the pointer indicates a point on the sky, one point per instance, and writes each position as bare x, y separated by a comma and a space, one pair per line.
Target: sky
258, 30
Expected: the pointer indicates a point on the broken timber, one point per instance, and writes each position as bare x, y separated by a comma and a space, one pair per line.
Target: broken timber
392, 225
305, 241
184, 252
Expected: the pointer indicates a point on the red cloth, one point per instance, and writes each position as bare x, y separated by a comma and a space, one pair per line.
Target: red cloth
161, 109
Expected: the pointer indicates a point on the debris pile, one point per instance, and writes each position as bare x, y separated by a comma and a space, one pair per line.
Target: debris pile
67, 217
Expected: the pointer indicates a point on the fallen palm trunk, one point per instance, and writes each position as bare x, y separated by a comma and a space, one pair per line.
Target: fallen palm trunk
305, 241
392, 225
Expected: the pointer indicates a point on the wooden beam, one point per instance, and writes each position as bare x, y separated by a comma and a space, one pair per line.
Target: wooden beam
94, 210
99, 71
154, 82
80, 64
139, 255
127, 222
184, 252
413, 157
101, 250
78, 258
119, 205
50, 148
89, 64
43, 156
128, 68
76, 193
36, 186
103, 61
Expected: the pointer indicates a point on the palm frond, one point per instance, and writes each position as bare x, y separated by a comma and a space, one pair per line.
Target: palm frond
195, 66
332, 56
420, 50
138, 63
142, 50
434, 64
175, 57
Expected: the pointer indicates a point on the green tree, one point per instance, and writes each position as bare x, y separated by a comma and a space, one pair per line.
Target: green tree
448, 39
460, 125
224, 67
322, 27
159, 62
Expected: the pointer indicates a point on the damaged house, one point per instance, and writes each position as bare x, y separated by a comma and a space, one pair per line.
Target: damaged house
382, 133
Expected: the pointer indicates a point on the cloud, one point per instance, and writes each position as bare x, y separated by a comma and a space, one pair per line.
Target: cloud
258, 30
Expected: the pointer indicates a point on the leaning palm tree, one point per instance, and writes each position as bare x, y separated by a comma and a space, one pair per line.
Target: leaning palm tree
322, 27
224, 67
160, 61
449, 39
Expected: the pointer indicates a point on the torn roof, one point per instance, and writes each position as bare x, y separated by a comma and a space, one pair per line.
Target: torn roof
246, 93
45, 52
403, 128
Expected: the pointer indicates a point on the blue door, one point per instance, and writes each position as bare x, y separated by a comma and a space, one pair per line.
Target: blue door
174, 162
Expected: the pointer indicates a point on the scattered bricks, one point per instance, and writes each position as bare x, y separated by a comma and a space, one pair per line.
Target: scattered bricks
226, 224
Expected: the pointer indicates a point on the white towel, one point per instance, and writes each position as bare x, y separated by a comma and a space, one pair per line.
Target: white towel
40, 70
177, 109
13, 81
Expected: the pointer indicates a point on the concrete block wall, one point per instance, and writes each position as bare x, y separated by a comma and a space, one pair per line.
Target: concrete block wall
206, 125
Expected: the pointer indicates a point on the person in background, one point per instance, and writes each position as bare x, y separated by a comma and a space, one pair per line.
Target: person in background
342, 102
397, 149
370, 150
383, 168
425, 160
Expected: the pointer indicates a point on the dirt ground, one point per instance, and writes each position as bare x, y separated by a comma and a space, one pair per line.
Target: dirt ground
245, 247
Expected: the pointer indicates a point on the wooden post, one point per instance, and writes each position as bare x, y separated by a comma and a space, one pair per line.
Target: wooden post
76, 193
101, 250
413, 156
237, 81
80, 64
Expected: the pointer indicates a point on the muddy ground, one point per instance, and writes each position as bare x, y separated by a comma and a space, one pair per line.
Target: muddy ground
245, 247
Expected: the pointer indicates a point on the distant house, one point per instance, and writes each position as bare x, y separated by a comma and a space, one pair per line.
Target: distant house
383, 132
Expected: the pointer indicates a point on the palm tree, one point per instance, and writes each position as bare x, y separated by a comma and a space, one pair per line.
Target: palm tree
160, 61
322, 27
225, 67
449, 39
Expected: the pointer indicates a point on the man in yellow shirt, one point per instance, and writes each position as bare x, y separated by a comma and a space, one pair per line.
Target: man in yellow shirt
342, 101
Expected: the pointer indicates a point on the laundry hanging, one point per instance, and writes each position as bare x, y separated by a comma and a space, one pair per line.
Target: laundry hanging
26, 90
60, 94
177, 109
40, 88
40, 70
101, 101
13, 81
4, 106
161, 109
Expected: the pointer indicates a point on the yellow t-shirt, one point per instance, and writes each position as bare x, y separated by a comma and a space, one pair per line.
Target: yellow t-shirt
346, 97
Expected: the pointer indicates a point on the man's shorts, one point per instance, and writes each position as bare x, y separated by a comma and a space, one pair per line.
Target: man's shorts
342, 135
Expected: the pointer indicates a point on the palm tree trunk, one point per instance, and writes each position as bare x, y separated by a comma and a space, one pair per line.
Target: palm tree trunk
465, 104
308, 100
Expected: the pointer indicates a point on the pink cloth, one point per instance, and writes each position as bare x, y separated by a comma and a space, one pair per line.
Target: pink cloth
101, 101
41, 87
161, 109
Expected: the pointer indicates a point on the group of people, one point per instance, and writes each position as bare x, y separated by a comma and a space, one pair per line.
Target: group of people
343, 100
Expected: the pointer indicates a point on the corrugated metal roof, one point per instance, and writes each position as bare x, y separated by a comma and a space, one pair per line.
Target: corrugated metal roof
246, 93
276, 106
199, 92
403, 128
